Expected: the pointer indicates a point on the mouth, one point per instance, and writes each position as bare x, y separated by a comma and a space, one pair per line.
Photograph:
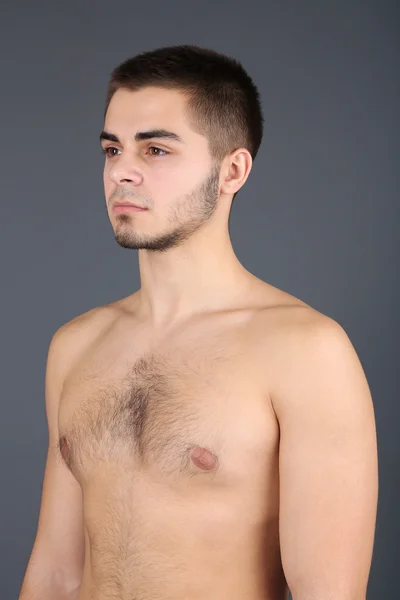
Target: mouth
123, 207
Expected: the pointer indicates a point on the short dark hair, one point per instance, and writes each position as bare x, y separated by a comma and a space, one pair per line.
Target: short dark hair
223, 101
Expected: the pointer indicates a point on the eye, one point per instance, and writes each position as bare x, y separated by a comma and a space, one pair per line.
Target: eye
158, 151
108, 151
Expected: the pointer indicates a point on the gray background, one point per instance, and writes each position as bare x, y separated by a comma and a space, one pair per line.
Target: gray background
318, 217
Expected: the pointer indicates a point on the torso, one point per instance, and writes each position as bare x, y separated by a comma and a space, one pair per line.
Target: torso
175, 444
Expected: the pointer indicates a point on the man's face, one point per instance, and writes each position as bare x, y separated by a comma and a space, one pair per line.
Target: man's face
168, 172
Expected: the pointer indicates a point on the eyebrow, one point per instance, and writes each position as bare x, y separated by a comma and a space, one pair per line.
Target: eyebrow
144, 135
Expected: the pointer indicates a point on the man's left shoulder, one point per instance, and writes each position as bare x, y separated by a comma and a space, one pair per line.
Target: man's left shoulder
292, 318
303, 347
294, 333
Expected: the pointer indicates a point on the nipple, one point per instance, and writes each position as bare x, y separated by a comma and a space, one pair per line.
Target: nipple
64, 448
203, 458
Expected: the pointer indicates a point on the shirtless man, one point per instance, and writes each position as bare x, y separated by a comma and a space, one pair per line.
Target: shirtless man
211, 437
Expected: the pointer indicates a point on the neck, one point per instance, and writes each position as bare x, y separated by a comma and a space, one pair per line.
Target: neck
200, 275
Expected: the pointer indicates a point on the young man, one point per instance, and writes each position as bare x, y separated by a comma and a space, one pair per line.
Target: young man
210, 436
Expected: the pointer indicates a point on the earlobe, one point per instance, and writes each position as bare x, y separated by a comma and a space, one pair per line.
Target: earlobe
237, 172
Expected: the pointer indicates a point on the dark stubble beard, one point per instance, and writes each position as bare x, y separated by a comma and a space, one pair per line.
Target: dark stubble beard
186, 217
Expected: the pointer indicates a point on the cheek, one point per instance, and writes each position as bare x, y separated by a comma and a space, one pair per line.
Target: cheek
107, 185
176, 181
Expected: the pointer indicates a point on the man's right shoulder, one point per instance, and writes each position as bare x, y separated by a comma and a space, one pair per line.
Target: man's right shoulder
72, 338
91, 322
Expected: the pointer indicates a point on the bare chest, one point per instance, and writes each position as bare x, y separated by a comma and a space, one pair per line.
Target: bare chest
176, 414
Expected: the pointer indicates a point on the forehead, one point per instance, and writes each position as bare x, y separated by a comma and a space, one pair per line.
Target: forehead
150, 108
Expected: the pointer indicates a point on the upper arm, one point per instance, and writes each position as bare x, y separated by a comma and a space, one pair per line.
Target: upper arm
327, 464
58, 551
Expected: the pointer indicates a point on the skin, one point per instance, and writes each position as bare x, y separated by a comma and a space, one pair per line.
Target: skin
210, 436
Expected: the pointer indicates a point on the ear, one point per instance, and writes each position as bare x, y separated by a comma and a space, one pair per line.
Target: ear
235, 171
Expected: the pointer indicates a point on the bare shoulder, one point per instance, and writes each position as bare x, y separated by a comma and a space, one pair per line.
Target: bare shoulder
281, 315
296, 320
74, 337
290, 332
292, 329
304, 349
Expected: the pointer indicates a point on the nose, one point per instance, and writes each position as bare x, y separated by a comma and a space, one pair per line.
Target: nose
122, 169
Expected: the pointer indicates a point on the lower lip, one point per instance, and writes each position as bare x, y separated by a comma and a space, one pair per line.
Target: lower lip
124, 209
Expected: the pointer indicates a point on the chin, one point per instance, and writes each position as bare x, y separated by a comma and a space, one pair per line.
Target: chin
155, 243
